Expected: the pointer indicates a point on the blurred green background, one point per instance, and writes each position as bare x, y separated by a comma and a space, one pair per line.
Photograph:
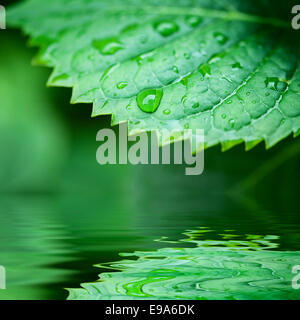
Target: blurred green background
61, 212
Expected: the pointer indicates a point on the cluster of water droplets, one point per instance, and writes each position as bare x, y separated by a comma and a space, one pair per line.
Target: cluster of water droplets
203, 69
149, 99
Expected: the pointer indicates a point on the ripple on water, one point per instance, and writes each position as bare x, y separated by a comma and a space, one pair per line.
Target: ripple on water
229, 268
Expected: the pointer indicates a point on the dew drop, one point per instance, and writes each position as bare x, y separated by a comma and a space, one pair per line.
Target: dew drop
232, 123
175, 69
205, 70
240, 99
148, 57
236, 66
184, 81
216, 57
166, 28
167, 111
108, 46
193, 21
276, 84
148, 100
122, 85
224, 116
187, 56
220, 37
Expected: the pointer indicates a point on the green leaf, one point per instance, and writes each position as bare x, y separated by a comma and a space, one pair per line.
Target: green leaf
228, 67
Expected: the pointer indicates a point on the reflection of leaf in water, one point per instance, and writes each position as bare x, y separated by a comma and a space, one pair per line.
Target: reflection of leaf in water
219, 269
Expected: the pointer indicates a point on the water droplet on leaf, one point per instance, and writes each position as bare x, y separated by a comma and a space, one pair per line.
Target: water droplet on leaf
107, 46
276, 84
220, 37
240, 99
184, 81
183, 99
231, 122
148, 100
175, 69
236, 66
205, 70
187, 56
122, 85
167, 111
166, 28
193, 21
147, 57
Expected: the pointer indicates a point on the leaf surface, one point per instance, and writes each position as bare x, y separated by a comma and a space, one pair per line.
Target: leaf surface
227, 67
